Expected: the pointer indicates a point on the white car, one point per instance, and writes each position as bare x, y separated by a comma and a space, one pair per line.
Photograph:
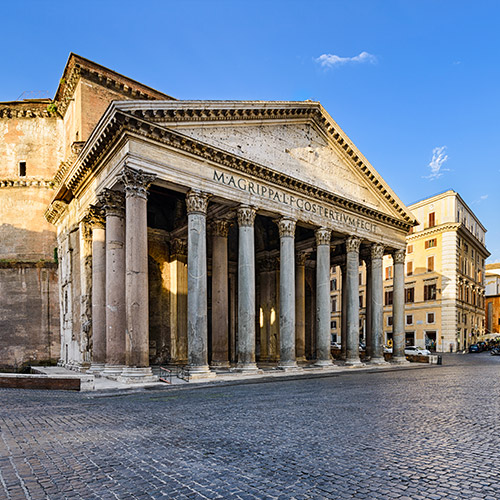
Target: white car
411, 350
335, 345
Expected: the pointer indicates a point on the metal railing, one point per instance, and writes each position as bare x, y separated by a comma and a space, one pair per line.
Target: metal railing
165, 375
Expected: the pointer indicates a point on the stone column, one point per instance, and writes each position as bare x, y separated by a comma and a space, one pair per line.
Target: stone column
197, 321
323, 302
377, 301
352, 264
113, 204
220, 295
368, 306
97, 222
287, 294
178, 301
300, 305
246, 290
398, 308
343, 311
136, 184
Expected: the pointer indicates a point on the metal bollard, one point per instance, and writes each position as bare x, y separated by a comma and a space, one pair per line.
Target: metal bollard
440, 360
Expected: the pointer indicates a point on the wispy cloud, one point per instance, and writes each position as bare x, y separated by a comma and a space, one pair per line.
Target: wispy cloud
439, 156
331, 60
481, 198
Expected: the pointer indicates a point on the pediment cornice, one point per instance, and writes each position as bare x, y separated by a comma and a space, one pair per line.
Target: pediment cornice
120, 123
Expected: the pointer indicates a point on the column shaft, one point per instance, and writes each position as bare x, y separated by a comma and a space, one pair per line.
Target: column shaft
220, 295
343, 311
98, 292
398, 308
377, 300
323, 303
287, 294
116, 325
300, 306
368, 308
197, 284
246, 290
352, 263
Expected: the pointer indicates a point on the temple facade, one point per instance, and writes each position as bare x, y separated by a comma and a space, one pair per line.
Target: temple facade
201, 233
207, 231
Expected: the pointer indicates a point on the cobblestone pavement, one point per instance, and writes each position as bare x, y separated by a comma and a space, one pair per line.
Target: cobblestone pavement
416, 434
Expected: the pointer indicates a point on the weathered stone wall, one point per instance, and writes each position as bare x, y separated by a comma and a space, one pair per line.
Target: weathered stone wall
29, 314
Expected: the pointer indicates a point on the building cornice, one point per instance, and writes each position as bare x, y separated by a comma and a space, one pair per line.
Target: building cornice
26, 109
121, 124
441, 228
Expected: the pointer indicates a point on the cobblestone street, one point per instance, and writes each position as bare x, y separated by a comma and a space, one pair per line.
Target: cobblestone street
415, 434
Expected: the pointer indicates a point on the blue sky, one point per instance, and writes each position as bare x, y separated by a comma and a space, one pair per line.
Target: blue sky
415, 84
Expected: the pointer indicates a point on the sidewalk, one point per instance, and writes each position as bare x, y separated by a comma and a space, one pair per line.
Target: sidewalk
267, 374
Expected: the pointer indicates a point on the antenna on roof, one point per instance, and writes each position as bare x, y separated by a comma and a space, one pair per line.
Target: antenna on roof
30, 95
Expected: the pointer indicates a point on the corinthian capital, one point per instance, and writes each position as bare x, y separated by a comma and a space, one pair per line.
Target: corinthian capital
220, 227
301, 257
246, 216
95, 217
398, 256
286, 227
112, 202
352, 244
197, 202
377, 251
323, 236
136, 182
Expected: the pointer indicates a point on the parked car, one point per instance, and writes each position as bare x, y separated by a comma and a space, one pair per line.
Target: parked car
387, 349
474, 348
411, 350
335, 345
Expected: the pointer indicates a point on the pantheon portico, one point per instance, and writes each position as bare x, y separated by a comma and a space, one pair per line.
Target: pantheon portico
204, 233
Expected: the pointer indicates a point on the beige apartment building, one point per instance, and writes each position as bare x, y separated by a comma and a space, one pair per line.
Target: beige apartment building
444, 278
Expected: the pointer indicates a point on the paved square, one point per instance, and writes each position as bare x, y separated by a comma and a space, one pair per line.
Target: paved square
417, 434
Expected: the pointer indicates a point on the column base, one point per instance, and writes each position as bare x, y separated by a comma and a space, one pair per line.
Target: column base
197, 372
288, 366
324, 363
399, 360
220, 365
133, 375
96, 369
112, 371
354, 363
248, 369
378, 361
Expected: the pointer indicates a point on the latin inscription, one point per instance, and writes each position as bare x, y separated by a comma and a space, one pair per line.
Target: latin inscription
294, 201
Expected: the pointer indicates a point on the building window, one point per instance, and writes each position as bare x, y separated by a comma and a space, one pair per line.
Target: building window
431, 243
361, 301
389, 320
360, 279
334, 324
409, 338
409, 268
430, 317
409, 249
432, 219
430, 264
410, 295
409, 319
430, 292
388, 273
333, 284
388, 298
22, 169
334, 304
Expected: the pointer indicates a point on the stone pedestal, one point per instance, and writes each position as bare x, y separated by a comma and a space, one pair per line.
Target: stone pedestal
398, 308
377, 301
97, 222
113, 205
287, 294
323, 303
246, 291
136, 184
197, 203
352, 264
300, 306
220, 295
